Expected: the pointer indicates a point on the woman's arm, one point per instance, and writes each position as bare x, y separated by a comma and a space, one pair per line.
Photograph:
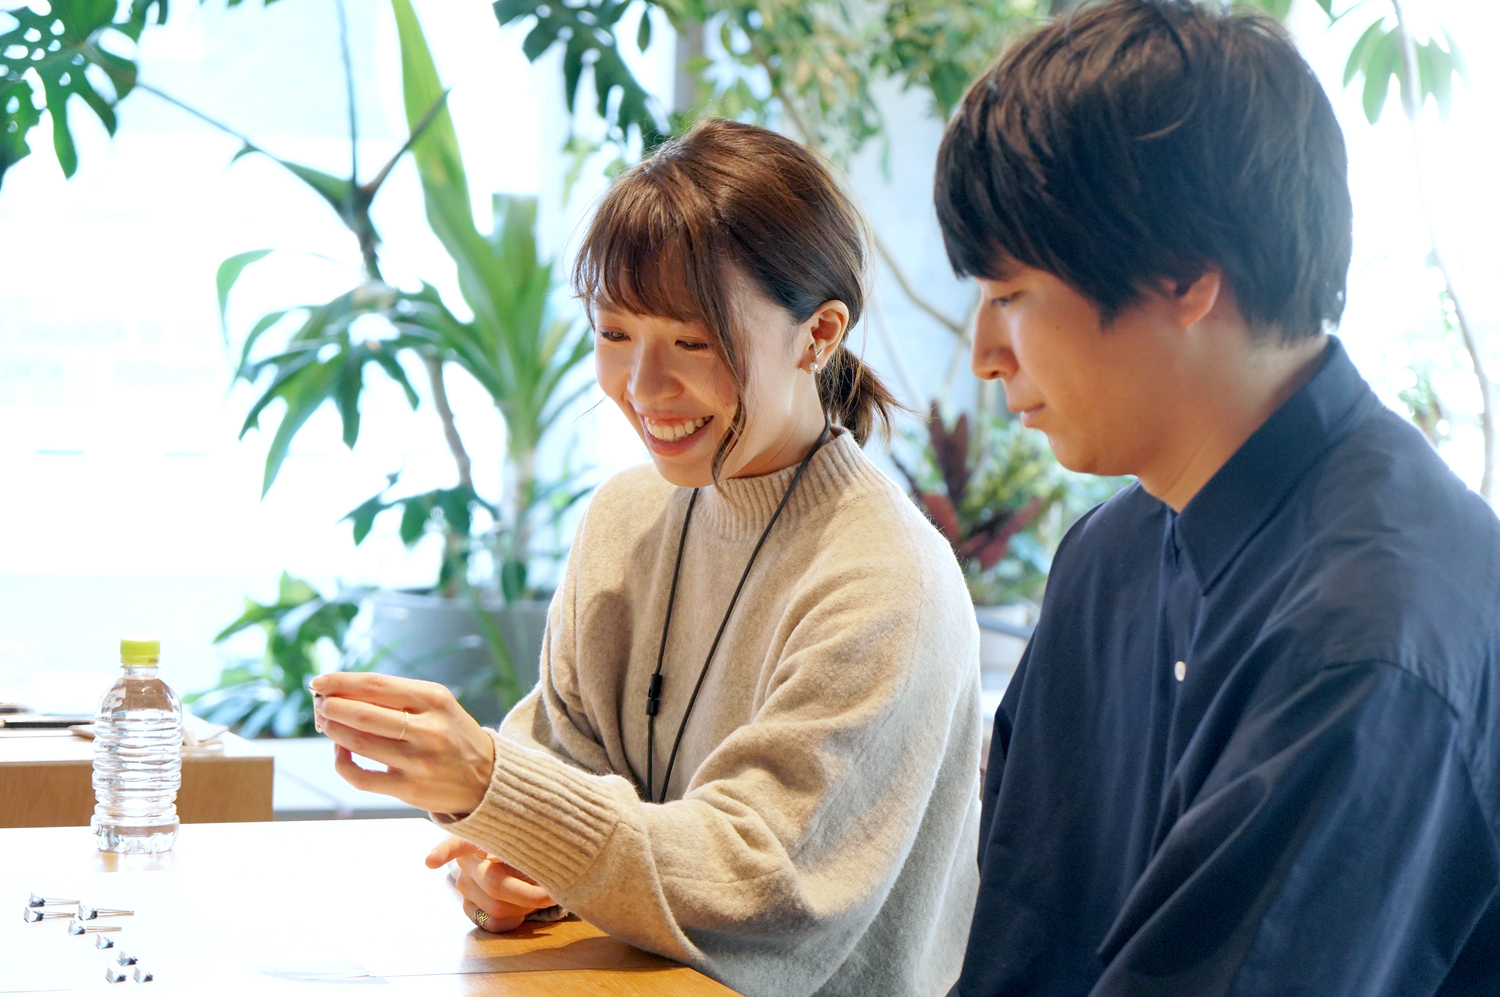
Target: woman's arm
792, 832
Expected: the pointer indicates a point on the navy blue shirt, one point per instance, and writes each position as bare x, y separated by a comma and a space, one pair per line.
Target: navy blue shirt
1254, 748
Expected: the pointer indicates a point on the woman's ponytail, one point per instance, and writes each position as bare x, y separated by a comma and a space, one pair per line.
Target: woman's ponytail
855, 396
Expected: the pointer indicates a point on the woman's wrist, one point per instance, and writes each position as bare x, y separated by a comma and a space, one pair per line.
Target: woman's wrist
481, 767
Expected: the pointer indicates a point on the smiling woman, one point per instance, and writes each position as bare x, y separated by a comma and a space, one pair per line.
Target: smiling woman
736, 245
803, 820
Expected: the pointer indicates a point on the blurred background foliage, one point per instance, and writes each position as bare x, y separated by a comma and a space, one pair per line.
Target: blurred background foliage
817, 71
305, 636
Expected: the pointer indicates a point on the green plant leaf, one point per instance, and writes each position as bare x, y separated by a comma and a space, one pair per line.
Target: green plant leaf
308, 394
229, 272
18, 115
587, 34
513, 580
337, 191
415, 512
265, 322
643, 31
1276, 8
1381, 64
362, 517
1355, 64
58, 47
1456, 56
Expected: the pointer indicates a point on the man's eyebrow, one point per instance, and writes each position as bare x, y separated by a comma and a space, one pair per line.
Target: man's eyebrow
1004, 268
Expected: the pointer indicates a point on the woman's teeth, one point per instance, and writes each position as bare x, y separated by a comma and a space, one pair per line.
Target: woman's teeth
668, 432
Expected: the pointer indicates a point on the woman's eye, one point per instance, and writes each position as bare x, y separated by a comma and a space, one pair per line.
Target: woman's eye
611, 335
693, 345
1003, 300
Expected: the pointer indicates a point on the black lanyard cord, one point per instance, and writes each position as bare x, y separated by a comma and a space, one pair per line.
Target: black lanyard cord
653, 695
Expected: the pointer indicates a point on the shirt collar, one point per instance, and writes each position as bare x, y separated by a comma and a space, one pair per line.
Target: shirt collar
1218, 521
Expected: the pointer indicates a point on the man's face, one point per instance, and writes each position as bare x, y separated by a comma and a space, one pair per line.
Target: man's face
1095, 392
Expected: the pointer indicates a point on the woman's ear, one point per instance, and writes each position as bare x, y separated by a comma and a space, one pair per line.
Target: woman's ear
823, 332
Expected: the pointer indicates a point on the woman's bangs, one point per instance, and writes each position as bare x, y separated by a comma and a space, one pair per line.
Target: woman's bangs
636, 261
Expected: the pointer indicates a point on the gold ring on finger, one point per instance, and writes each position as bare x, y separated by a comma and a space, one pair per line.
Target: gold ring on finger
480, 916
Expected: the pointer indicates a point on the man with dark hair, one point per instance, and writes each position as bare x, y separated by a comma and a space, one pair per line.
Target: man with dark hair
1254, 745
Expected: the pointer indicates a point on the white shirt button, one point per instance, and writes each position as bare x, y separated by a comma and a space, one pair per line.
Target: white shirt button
1180, 670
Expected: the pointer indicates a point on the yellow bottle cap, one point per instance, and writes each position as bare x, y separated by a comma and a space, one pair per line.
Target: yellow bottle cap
139, 652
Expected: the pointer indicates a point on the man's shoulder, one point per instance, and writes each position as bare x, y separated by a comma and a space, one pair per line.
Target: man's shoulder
1390, 556
1384, 516
1120, 534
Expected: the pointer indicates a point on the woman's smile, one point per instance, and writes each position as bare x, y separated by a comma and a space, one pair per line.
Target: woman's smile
670, 437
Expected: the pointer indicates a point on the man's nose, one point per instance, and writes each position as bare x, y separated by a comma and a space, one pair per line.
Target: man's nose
992, 358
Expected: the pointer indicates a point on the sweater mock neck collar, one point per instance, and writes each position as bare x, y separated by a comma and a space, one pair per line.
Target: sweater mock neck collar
739, 508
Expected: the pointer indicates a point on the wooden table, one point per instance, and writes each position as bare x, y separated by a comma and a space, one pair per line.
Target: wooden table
46, 780
267, 908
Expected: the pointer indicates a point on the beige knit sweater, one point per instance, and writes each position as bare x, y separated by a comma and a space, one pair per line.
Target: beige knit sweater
820, 830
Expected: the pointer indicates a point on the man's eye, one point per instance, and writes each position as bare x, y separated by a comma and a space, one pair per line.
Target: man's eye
1003, 301
611, 335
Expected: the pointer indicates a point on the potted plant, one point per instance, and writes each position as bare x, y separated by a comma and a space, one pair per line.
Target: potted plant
481, 639
1002, 501
304, 631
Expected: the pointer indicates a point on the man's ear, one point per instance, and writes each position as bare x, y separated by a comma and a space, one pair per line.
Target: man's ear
1193, 301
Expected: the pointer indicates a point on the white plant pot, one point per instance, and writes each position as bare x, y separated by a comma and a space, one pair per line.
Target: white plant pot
442, 640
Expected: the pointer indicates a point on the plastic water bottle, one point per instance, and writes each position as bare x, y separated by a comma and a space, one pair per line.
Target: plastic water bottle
137, 757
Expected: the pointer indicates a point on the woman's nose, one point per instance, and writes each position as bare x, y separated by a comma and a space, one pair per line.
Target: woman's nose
650, 377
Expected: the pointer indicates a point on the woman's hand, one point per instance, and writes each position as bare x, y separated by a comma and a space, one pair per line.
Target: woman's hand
437, 757
488, 884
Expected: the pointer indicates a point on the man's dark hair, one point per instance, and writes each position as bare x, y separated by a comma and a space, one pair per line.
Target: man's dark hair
1140, 140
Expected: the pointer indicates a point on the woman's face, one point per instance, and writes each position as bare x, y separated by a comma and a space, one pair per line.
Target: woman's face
678, 395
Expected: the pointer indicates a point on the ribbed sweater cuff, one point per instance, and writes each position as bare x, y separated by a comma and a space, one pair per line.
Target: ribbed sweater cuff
543, 816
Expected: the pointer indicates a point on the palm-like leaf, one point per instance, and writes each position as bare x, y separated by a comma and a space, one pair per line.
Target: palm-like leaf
515, 346
323, 362
272, 693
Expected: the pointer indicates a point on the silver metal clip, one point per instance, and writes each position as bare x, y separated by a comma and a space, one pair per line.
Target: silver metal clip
77, 927
34, 914
143, 975
87, 913
104, 942
40, 901
114, 974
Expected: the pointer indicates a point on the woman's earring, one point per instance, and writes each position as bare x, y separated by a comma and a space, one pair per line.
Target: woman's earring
815, 366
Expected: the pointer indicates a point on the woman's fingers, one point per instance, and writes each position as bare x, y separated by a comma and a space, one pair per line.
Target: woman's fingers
491, 905
390, 691
451, 848
379, 749
438, 757
378, 720
362, 778
495, 925
502, 882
